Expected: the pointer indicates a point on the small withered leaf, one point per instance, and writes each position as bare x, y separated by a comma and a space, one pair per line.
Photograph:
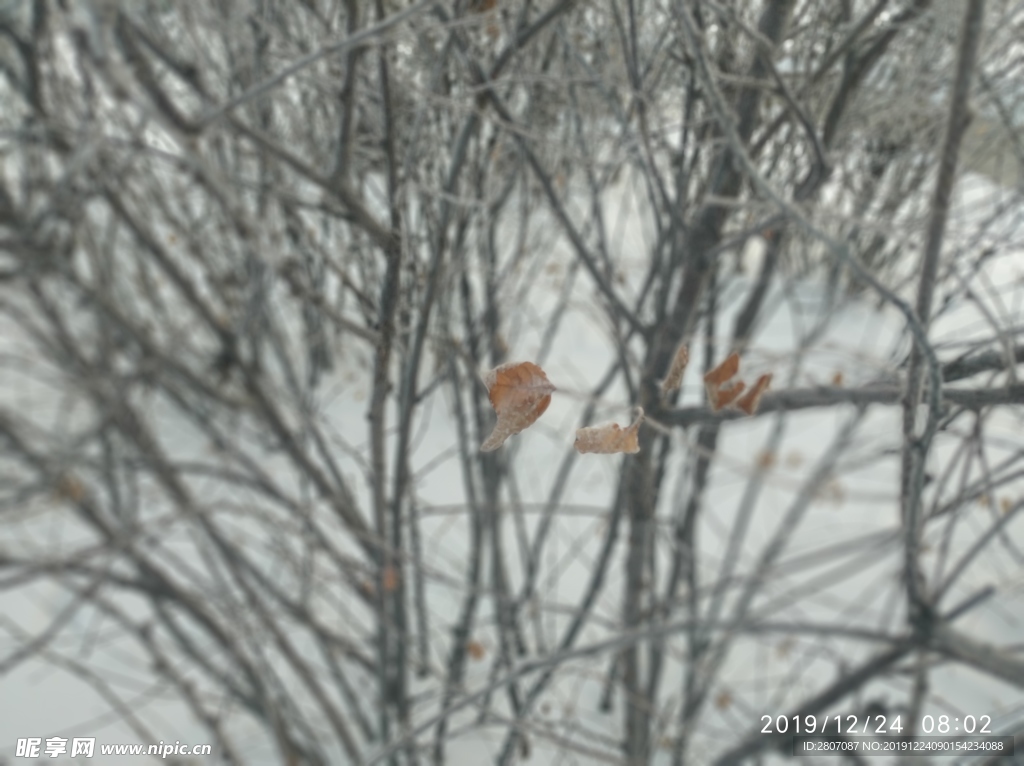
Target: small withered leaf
390, 579
749, 401
519, 393
674, 378
70, 488
610, 439
729, 367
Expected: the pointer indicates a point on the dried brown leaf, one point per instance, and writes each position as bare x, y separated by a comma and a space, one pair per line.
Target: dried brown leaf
674, 378
611, 438
389, 579
519, 393
729, 367
70, 488
749, 401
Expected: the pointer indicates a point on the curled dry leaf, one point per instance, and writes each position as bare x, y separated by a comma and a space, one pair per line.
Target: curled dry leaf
723, 396
750, 400
674, 378
610, 438
719, 394
729, 367
519, 393
475, 650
